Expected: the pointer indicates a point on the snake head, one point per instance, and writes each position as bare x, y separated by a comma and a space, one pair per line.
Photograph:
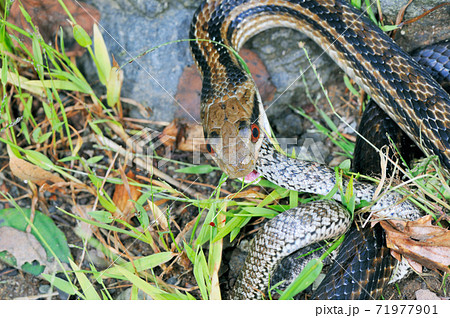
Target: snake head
233, 128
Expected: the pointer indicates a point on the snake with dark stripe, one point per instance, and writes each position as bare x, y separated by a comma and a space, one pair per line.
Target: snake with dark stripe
236, 126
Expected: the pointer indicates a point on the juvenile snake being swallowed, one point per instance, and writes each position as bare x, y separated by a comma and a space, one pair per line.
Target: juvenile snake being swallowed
235, 123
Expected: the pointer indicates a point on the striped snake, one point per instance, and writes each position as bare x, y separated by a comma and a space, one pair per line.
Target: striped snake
235, 123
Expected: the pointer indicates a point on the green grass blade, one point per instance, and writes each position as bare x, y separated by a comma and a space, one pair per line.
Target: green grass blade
86, 286
308, 275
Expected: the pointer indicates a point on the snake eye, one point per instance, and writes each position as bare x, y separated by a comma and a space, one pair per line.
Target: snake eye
209, 149
255, 132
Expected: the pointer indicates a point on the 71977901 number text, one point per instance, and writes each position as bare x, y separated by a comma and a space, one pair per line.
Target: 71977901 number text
406, 309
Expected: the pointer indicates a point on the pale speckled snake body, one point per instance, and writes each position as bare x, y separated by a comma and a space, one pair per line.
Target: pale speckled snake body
306, 224
233, 116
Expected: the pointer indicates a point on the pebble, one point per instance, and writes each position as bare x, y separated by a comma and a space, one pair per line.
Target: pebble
44, 289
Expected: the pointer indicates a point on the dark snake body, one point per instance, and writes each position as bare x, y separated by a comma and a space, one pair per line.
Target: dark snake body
402, 88
376, 125
361, 269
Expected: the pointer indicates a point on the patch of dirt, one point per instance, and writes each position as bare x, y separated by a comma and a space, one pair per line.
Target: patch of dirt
17, 284
407, 288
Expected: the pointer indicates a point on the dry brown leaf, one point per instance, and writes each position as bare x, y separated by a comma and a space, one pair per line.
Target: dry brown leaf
184, 261
83, 229
416, 266
420, 241
122, 194
158, 215
27, 171
25, 248
189, 137
60, 185
172, 131
193, 139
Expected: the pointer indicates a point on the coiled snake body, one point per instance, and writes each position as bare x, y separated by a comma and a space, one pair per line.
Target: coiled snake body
234, 120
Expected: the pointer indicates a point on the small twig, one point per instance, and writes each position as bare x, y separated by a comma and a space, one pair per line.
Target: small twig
401, 14
423, 14
402, 11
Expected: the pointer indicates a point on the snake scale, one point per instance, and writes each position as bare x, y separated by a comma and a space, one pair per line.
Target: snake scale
376, 124
234, 121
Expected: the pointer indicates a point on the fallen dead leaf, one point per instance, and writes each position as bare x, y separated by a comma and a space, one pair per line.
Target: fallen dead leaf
420, 241
27, 171
25, 248
123, 193
172, 131
83, 229
48, 16
185, 136
158, 215
184, 261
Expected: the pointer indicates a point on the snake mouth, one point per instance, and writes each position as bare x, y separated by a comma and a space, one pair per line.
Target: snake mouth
252, 176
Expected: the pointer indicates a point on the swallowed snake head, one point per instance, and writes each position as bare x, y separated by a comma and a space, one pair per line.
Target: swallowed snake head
234, 130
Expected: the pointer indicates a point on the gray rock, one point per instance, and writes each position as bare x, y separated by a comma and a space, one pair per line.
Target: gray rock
430, 29
44, 289
130, 27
